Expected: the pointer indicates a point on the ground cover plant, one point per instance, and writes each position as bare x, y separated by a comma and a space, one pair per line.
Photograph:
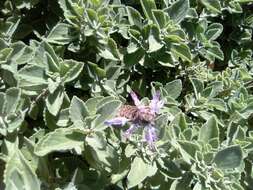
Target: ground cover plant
126, 94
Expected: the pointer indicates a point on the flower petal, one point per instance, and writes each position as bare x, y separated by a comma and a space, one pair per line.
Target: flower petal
117, 121
156, 104
150, 136
135, 98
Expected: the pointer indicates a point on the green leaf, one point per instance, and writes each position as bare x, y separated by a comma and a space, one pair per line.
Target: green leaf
49, 119
180, 121
5, 54
161, 121
92, 16
178, 10
21, 53
107, 54
209, 130
148, 6
63, 119
153, 40
134, 17
32, 78
70, 70
165, 59
198, 86
229, 158
94, 70
52, 64
102, 152
3, 43
59, 140
130, 150
12, 27
54, 101
19, 174
2, 102
169, 168
212, 5
247, 111
182, 51
60, 34
33, 74
12, 99
110, 51
92, 104
133, 58
15, 121
217, 103
215, 52
3, 127
52, 85
69, 13
144, 170
40, 57
133, 47
214, 31
244, 1
28, 4
160, 17
197, 186
188, 149
181, 184
106, 111
78, 111
174, 88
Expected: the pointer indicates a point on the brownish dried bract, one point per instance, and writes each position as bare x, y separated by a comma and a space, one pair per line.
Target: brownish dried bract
129, 112
134, 114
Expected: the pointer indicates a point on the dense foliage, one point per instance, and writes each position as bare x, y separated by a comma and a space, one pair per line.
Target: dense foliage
68, 66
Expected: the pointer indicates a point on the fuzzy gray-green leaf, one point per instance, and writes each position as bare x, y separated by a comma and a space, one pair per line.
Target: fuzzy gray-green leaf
229, 158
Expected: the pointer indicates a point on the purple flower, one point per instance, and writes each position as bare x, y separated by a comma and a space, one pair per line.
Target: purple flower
150, 135
117, 121
141, 116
